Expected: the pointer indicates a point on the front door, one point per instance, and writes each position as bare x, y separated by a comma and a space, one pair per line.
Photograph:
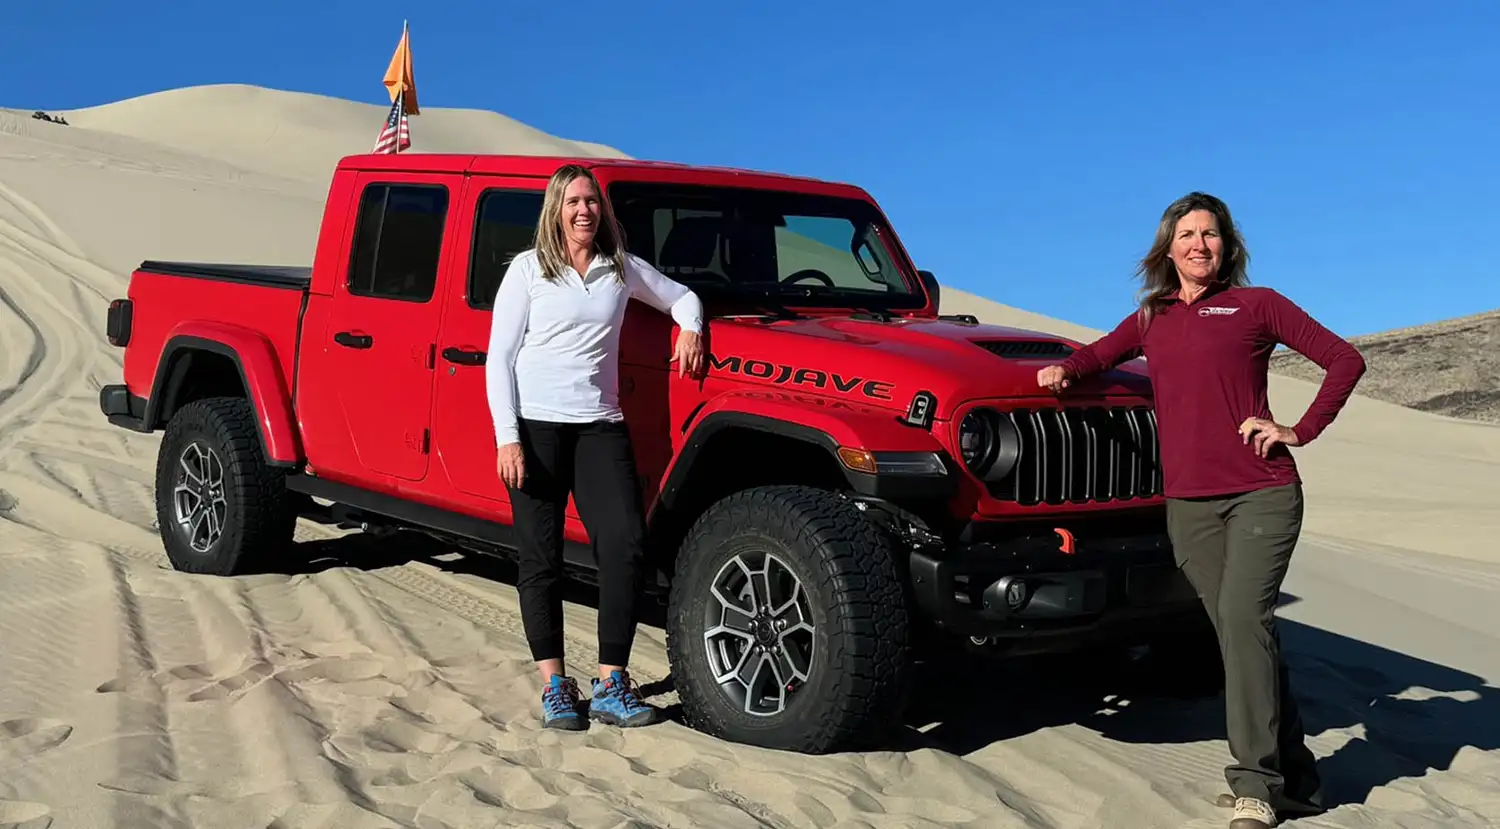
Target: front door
504, 214
383, 322
651, 394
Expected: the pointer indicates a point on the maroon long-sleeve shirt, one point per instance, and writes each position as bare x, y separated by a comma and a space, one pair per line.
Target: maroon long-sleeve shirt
1208, 364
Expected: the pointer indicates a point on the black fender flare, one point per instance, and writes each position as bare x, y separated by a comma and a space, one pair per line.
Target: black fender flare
172, 370
864, 483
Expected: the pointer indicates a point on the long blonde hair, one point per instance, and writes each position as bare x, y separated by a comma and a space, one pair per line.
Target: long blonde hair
550, 244
1159, 275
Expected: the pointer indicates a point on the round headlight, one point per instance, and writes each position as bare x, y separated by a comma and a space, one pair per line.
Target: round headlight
976, 440
988, 444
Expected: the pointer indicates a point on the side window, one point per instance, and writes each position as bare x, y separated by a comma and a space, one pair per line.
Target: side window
397, 238
688, 243
504, 225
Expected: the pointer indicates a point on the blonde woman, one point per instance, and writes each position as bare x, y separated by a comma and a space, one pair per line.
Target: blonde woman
551, 379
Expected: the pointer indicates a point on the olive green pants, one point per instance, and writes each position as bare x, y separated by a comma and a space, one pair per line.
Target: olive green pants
1235, 551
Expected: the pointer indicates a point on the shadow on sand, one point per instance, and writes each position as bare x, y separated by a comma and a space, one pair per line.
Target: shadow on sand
1414, 715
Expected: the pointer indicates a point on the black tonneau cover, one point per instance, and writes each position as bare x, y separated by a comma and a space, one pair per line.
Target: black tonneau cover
270, 276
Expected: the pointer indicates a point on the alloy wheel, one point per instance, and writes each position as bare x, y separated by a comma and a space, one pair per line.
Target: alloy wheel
199, 504
759, 633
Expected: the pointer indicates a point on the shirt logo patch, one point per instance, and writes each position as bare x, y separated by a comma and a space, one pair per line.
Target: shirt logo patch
1216, 311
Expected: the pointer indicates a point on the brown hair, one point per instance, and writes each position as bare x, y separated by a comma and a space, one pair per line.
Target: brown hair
1158, 273
552, 247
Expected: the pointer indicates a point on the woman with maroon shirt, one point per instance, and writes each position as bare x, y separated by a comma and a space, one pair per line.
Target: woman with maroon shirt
1234, 497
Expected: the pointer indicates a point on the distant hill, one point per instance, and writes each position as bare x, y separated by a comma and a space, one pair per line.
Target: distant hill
302, 135
1450, 368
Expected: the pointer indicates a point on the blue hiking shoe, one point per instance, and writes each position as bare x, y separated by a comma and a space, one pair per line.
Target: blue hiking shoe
617, 701
560, 705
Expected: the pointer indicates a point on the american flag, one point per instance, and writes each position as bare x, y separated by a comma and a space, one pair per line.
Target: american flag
395, 136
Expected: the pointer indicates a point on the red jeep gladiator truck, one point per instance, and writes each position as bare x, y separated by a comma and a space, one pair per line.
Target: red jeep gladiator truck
855, 478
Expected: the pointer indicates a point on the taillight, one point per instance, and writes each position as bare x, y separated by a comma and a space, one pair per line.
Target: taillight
117, 326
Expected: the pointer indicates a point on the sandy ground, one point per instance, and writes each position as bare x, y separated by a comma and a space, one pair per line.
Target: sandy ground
388, 684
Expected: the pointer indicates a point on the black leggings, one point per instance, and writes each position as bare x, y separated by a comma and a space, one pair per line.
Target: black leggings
594, 462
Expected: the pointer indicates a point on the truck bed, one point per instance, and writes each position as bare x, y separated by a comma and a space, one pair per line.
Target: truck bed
268, 276
215, 311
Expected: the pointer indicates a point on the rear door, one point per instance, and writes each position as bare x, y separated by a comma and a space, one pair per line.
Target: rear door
499, 215
381, 331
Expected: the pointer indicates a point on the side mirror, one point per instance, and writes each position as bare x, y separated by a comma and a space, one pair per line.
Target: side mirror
930, 284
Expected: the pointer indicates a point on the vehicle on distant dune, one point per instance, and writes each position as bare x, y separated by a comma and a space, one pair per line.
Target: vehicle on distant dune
856, 478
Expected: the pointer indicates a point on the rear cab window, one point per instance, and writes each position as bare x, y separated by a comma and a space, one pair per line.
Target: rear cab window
398, 239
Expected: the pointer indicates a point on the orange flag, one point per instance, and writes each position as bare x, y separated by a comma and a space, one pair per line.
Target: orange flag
398, 76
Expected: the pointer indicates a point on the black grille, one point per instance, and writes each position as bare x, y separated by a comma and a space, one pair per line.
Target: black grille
1023, 349
1079, 455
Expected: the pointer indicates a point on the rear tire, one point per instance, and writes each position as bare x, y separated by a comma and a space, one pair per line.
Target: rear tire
834, 627
219, 507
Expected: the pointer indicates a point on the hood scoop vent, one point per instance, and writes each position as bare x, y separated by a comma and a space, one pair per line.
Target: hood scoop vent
1025, 349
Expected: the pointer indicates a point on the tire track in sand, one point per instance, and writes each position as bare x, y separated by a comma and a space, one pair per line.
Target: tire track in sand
51, 354
427, 582
53, 233
36, 348
46, 634
59, 358
145, 747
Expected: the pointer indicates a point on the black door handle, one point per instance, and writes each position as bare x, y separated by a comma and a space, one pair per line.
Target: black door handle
353, 340
463, 356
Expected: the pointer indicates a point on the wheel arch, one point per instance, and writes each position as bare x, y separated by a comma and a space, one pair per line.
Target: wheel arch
212, 360
727, 452
718, 431
752, 438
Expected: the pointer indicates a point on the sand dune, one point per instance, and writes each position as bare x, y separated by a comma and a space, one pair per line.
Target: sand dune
1450, 367
388, 684
301, 135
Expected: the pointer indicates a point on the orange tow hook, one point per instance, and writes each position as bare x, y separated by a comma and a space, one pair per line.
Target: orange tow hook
1067, 546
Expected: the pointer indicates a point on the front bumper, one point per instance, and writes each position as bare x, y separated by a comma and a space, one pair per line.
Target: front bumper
1052, 591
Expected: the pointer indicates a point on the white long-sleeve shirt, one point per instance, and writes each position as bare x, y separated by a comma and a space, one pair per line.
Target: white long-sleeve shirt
554, 346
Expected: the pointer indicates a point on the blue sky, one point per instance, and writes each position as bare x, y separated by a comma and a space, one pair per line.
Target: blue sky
1024, 153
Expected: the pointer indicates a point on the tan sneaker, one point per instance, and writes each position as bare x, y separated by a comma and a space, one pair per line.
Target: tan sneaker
1250, 813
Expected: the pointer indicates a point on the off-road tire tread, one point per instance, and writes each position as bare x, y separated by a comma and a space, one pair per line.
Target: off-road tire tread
869, 653
260, 524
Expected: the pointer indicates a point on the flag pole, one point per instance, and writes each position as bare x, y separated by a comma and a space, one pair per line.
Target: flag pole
401, 96
400, 117
398, 80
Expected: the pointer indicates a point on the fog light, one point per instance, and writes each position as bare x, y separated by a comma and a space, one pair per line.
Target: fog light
1010, 594
1015, 594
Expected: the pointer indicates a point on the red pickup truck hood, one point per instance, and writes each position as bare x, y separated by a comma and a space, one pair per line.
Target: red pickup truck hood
883, 363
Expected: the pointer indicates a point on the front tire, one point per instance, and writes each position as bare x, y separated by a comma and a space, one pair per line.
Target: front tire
787, 624
219, 507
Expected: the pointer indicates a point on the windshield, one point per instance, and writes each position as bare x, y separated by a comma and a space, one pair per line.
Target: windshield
763, 246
